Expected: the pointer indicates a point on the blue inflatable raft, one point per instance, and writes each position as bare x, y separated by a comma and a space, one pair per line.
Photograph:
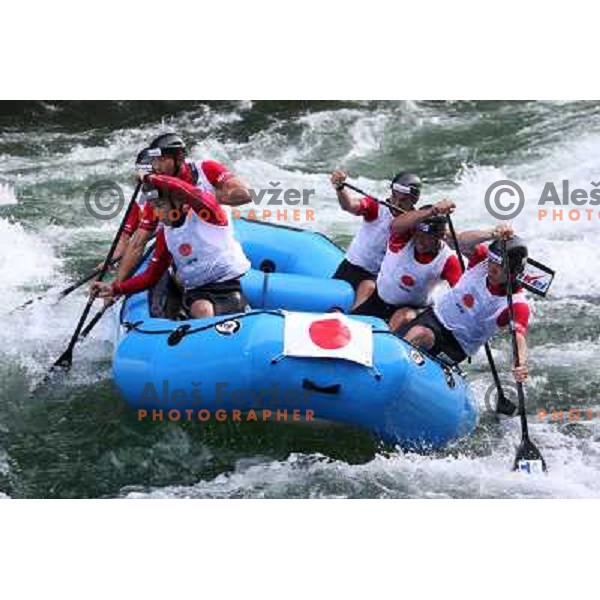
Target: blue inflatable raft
233, 367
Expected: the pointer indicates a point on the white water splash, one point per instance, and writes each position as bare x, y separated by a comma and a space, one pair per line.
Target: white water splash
7, 194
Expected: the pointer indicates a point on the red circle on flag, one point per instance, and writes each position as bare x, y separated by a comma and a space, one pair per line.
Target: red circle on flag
408, 280
329, 334
468, 300
185, 249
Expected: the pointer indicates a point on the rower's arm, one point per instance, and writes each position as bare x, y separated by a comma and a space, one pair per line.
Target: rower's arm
468, 240
159, 263
232, 192
133, 253
122, 245
349, 202
406, 222
120, 249
521, 348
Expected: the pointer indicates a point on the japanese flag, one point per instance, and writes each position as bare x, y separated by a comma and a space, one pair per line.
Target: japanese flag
329, 335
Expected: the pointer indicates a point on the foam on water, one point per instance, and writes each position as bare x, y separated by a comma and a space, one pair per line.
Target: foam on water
25, 259
7, 194
573, 475
29, 266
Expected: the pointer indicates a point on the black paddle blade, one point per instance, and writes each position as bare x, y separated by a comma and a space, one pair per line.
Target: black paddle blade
504, 406
64, 361
529, 459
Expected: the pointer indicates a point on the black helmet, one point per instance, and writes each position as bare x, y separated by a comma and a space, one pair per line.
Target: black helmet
407, 183
167, 144
434, 225
143, 161
516, 248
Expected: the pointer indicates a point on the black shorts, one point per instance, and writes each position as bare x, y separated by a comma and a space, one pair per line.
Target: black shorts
374, 306
445, 344
353, 274
225, 296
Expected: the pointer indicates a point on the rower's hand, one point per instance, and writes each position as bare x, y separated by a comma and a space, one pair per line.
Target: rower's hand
521, 373
443, 207
101, 289
109, 269
337, 178
141, 175
503, 232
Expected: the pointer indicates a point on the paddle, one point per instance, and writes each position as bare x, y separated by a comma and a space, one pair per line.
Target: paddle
528, 459
94, 320
382, 202
503, 404
67, 290
65, 360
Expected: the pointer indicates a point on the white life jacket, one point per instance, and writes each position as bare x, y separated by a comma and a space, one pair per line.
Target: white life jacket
368, 246
470, 311
403, 281
204, 253
199, 178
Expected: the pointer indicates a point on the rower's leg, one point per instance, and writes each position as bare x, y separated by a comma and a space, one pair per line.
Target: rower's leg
420, 336
401, 317
364, 290
202, 308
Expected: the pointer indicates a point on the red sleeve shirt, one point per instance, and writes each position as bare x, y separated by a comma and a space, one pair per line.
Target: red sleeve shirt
133, 219
148, 218
369, 209
215, 172
205, 205
159, 263
521, 312
479, 255
452, 271
397, 241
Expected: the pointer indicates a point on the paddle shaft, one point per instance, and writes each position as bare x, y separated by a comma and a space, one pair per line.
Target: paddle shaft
85, 279
67, 290
382, 202
94, 320
67, 356
515, 346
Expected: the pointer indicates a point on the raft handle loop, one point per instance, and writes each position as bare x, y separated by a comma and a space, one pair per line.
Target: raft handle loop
129, 326
178, 334
311, 386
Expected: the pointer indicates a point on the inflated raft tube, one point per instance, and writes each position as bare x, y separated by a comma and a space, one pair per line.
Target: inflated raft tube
283, 249
236, 363
292, 268
296, 292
